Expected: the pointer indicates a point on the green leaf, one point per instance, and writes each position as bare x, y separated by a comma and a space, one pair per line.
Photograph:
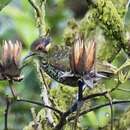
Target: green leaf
103, 116
89, 120
3, 3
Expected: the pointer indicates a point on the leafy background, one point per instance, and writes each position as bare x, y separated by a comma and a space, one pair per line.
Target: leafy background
17, 22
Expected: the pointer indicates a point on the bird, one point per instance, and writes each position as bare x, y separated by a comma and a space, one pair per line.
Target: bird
56, 55
67, 64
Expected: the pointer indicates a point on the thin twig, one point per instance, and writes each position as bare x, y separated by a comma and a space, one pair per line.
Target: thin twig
6, 113
39, 104
116, 87
111, 108
98, 107
35, 7
12, 89
79, 103
94, 95
100, 94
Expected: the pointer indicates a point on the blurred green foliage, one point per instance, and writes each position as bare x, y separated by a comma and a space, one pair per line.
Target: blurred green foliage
17, 21
3, 3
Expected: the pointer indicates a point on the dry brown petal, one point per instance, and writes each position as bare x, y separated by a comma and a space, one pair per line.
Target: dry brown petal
17, 52
76, 54
10, 50
4, 52
80, 62
89, 57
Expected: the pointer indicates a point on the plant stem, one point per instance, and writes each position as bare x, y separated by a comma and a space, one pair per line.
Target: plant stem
12, 89
6, 113
108, 96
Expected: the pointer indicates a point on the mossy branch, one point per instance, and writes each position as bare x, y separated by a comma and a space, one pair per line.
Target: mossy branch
39, 7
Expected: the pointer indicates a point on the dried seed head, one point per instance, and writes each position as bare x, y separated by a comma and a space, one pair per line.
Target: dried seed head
10, 58
41, 45
82, 57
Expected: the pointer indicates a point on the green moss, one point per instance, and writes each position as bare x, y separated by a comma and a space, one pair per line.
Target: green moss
106, 16
102, 13
70, 31
110, 21
63, 96
125, 121
89, 22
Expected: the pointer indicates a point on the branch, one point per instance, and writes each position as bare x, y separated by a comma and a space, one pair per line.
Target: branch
108, 96
12, 89
94, 95
45, 98
102, 93
75, 106
98, 107
6, 113
35, 7
65, 114
80, 102
40, 16
39, 104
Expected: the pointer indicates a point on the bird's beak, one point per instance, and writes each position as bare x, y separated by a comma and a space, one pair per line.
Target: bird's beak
28, 56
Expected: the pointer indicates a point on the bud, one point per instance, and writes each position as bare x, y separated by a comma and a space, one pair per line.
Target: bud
82, 57
10, 59
41, 45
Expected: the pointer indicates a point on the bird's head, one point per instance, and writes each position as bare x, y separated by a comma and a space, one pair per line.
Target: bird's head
41, 45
